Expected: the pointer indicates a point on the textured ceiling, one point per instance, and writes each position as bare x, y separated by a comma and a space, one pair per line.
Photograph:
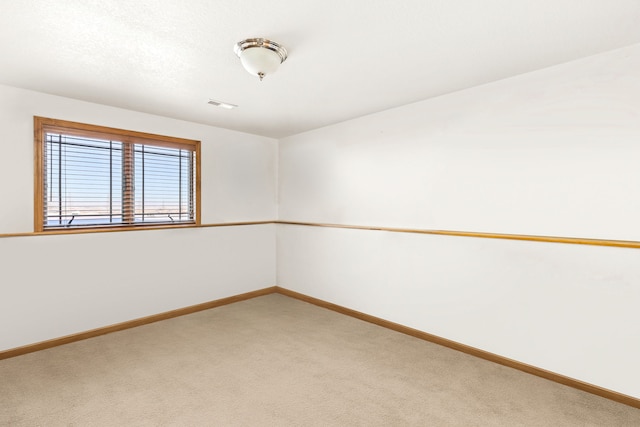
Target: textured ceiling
346, 58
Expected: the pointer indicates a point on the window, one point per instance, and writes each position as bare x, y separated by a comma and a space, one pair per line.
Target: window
90, 176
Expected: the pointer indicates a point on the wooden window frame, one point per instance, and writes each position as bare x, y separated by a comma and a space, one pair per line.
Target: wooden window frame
42, 125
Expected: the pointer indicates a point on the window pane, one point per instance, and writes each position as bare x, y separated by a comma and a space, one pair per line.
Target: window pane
163, 184
83, 181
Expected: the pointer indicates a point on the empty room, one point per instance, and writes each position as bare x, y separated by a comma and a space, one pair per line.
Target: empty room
320, 213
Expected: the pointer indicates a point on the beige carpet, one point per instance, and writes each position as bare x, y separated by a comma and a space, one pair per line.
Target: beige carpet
275, 361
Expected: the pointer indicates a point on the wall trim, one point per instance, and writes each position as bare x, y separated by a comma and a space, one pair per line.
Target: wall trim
491, 357
30, 348
549, 239
137, 228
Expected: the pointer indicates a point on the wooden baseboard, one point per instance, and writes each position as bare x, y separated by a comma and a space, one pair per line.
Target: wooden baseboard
552, 376
561, 379
132, 323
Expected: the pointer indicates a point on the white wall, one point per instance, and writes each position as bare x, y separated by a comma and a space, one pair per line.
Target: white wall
554, 152
54, 286
43, 298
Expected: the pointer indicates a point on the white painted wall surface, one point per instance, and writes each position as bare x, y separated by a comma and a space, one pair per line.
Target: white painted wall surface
52, 286
569, 309
554, 152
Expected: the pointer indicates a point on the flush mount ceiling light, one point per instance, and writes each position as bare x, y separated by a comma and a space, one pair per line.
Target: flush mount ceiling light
260, 56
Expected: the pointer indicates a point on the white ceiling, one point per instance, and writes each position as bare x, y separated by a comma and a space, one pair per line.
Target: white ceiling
347, 58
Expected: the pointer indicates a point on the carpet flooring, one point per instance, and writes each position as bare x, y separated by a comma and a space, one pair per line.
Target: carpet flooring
276, 361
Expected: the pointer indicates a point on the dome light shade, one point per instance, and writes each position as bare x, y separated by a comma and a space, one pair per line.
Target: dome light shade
260, 56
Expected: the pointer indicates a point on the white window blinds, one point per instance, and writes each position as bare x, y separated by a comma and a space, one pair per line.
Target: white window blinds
100, 182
